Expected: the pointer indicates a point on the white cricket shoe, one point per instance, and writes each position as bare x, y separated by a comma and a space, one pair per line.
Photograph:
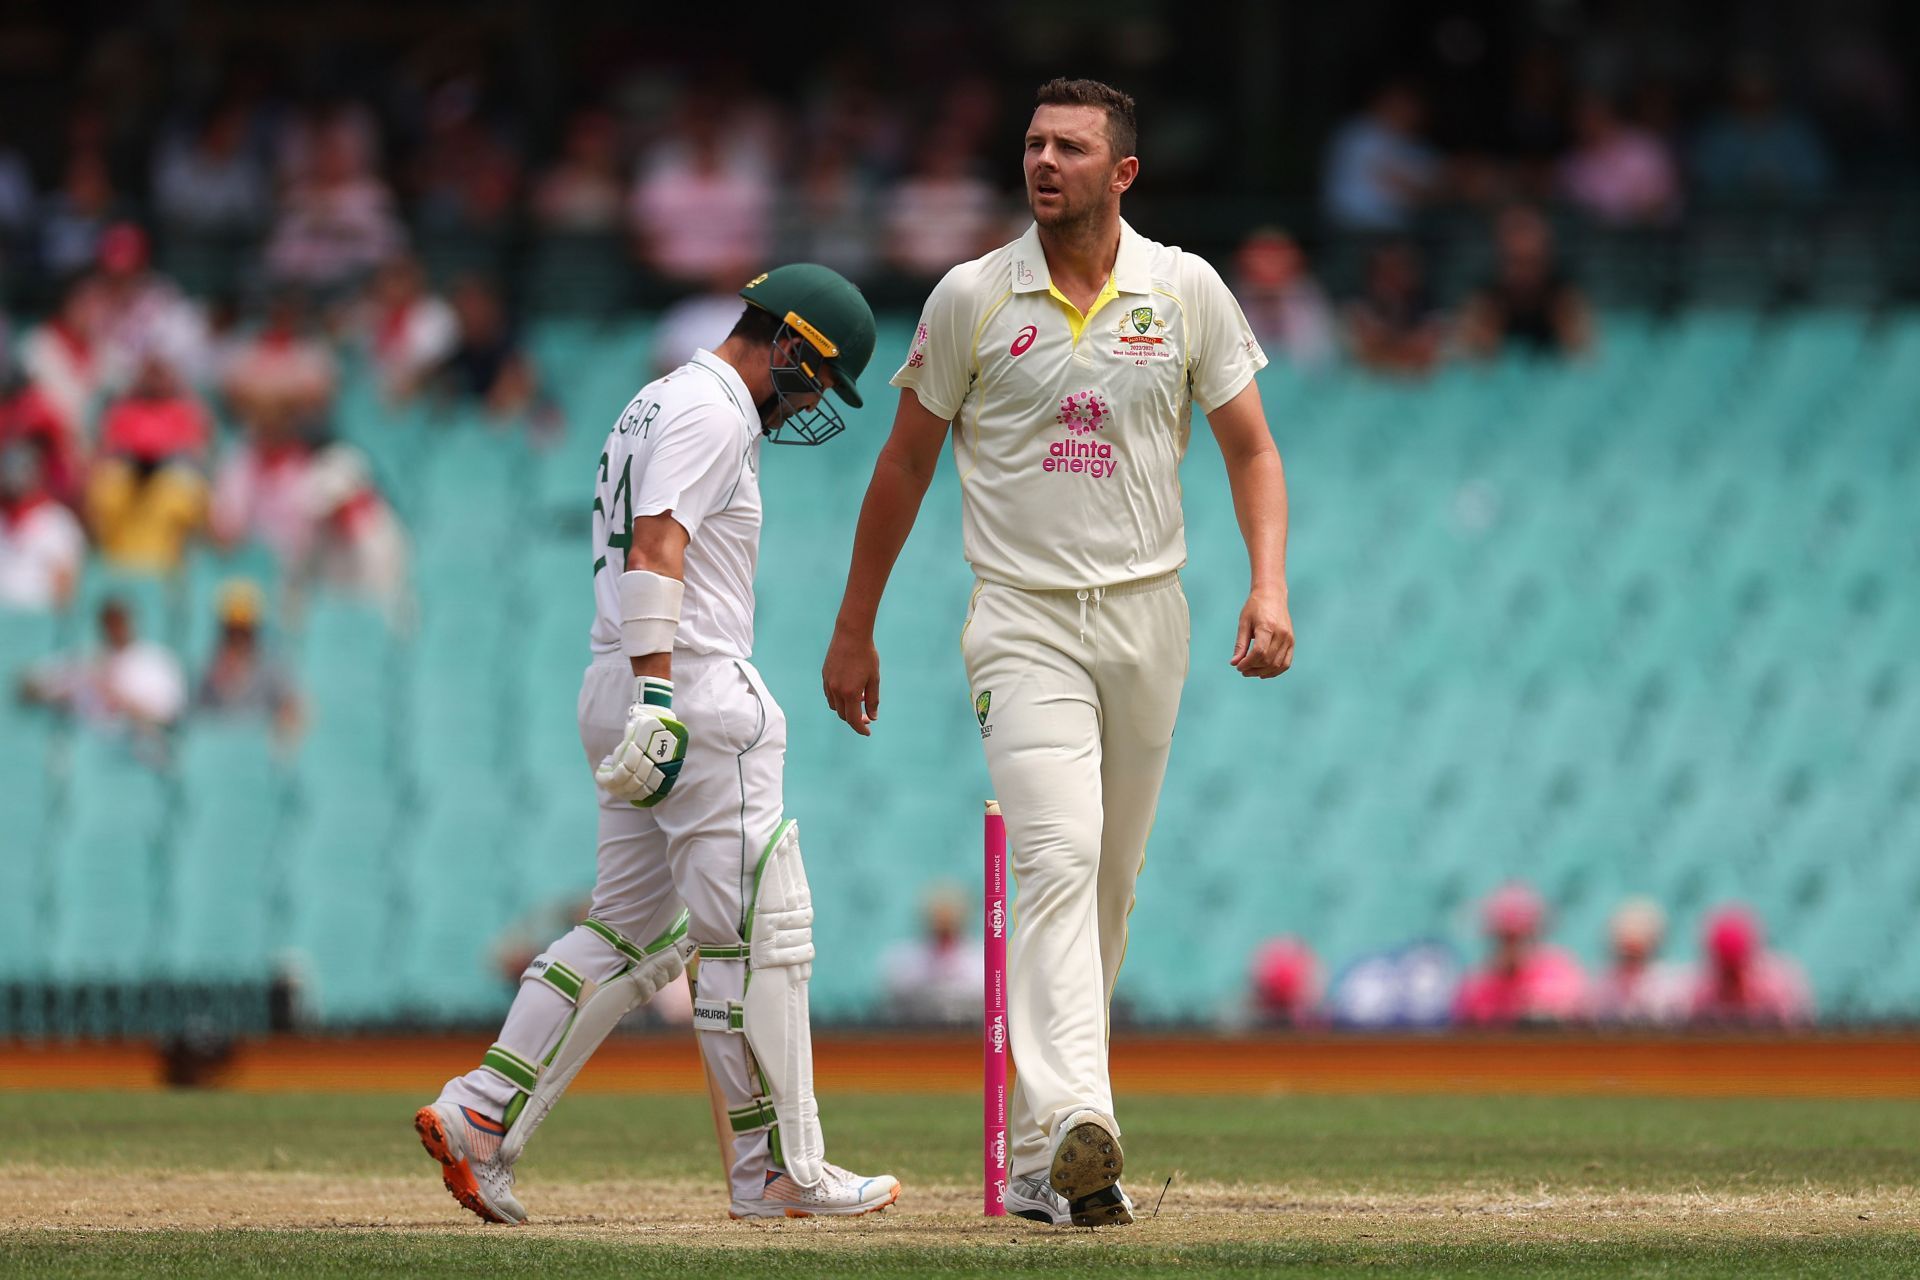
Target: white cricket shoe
1086, 1170
839, 1194
1030, 1196
467, 1145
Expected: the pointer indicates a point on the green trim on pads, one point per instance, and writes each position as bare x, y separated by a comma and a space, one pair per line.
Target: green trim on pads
759, 869
729, 951
609, 935
514, 1109
757, 1114
562, 979
511, 1067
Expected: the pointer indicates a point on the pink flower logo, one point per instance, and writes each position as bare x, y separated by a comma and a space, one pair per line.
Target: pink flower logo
1083, 413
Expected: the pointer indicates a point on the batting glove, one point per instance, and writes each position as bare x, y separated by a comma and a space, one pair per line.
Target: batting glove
642, 769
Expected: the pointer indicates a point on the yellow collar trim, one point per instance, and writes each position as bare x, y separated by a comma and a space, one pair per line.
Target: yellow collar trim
1076, 322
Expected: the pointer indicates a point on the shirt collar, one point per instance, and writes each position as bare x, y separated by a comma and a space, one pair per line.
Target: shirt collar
1132, 266
731, 380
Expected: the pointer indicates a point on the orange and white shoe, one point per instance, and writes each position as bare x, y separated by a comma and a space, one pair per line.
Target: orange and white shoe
467, 1145
839, 1194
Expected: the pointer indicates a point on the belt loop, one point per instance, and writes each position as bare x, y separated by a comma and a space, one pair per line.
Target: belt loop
1082, 596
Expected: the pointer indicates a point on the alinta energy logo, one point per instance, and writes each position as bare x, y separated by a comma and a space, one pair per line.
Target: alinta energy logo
1083, 413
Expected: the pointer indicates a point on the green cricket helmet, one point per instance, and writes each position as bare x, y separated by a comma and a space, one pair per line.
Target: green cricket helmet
824, 309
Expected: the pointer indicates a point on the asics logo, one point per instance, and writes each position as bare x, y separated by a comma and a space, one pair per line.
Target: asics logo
1023, 340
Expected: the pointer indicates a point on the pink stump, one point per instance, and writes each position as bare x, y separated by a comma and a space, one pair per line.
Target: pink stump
995, 1038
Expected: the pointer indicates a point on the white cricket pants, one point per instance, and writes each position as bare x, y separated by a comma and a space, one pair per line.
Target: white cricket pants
1081, 691
699, 847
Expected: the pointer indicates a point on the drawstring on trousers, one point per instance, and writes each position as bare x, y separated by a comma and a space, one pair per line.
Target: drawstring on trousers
1083, 595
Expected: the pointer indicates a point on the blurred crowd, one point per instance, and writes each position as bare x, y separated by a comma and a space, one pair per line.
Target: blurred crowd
1394, 325
1525, 980
707, 170
142, 428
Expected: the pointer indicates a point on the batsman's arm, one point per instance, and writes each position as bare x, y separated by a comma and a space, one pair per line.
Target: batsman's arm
659, 545
851, 675
1263, 644
644, 766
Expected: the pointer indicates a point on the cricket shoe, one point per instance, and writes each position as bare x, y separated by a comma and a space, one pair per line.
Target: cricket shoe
838, 1194
467, 1145
1086, 1170
1031, 1197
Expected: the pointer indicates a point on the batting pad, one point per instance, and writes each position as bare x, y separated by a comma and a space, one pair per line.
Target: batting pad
598, 1008
775, 1015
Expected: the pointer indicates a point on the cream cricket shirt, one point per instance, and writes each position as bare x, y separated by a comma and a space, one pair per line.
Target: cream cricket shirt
689, 443
1069, 429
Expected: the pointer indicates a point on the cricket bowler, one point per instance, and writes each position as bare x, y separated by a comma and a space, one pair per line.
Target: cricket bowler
688, 747
1066, 364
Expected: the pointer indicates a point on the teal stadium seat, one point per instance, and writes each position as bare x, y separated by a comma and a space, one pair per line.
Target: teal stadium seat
1642, 624
108, 905
228, 896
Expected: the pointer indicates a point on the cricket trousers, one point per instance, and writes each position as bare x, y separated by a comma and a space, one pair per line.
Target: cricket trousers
1076, 693
699, 847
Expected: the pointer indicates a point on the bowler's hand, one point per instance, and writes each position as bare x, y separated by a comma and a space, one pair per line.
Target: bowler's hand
1264, 646
851, 680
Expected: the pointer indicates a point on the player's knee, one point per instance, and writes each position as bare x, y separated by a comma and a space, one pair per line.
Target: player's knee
780, 927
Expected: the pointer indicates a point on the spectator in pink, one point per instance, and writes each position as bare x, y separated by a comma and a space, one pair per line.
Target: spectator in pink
1525, 981
407, 329
1741, 982
943, 214
1638, 989
338, 222
584, 190
1284, 304
62, 357
1286, 984
284, 368
697, 207
144, 315
42, 546
280, 386
28, 416
1619, 174
359, 546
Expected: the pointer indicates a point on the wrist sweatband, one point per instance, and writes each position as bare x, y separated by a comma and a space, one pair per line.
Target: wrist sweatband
649, 612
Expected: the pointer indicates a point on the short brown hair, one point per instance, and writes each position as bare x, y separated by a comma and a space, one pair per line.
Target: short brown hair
1122, 134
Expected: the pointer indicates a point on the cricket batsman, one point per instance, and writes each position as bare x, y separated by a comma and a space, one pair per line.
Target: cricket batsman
688, 747
1066, 364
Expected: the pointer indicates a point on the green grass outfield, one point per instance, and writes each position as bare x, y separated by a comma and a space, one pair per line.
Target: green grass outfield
292, 1185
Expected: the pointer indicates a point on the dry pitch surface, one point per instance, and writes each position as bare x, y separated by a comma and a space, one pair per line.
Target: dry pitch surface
234, 1185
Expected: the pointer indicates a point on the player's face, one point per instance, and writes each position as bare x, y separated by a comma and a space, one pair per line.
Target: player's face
1071, 170
794, 350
